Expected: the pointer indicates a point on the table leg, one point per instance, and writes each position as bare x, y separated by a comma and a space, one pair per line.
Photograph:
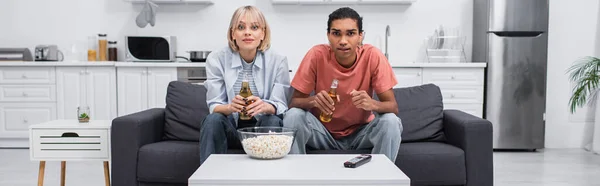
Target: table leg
41, 173
106, 174
63, 166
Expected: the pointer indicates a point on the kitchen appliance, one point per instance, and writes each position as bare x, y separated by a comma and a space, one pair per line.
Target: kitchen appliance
48, 53
198, 56
15, 54
194, 75
151, 48
512, 37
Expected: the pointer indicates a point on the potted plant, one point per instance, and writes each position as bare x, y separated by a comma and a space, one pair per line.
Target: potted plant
585, 73
83, 114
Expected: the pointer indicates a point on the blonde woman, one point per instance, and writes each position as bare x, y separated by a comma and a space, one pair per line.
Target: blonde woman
248, 55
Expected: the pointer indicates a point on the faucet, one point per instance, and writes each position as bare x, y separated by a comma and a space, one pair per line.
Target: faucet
387, 34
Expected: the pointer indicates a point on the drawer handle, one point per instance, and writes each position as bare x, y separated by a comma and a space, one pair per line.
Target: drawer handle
69, 134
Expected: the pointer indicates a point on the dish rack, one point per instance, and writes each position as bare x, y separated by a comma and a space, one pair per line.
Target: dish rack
445, 49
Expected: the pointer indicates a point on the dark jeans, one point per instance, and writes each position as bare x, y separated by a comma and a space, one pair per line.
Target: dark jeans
218, 133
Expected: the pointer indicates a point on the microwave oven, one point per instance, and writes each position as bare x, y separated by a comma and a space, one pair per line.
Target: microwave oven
151, 48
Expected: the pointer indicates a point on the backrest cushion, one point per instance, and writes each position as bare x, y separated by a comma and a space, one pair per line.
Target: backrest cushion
185, 110
420, 109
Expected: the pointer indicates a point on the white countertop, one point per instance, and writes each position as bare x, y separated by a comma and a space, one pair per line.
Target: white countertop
101, 63
441, 65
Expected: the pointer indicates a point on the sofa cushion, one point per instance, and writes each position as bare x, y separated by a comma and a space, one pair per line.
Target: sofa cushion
168, 161
432, 163
420, 110
185, 110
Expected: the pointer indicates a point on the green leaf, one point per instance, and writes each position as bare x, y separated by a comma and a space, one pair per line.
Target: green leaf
584, 73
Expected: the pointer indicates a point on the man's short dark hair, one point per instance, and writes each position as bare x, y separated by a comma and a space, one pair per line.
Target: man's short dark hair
343, 13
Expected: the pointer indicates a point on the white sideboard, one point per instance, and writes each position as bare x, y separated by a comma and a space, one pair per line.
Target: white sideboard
461, 84
37, 92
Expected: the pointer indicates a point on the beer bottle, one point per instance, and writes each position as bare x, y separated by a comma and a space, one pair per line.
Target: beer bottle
333, 94
245, 92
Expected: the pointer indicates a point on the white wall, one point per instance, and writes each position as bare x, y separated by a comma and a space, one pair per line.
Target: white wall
574, 32
26, 23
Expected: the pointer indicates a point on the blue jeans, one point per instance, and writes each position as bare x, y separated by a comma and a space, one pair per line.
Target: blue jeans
218, 133
382, 135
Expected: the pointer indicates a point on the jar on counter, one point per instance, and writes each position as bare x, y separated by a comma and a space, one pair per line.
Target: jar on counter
102, 47
92, 48
112, 50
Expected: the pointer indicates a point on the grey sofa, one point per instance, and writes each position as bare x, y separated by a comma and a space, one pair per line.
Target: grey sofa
159, 146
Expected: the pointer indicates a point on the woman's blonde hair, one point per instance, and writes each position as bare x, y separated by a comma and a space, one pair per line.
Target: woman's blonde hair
253, 12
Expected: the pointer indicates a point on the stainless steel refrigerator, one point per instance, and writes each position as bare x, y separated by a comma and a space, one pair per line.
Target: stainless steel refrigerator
511, 36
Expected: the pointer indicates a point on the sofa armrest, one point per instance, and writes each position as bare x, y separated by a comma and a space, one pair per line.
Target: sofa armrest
128, 134
474, 136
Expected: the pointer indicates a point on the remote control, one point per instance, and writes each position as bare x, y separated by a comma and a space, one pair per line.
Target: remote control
357, 161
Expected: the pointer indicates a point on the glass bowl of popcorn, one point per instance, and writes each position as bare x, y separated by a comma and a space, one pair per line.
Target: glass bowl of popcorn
267, 142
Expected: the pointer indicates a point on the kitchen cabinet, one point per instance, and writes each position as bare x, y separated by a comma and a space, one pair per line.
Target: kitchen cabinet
16, 118
343, 2
408, 77
27, 75
461, 88
389, 2
94, 87
33, 92
27, 97
141, 88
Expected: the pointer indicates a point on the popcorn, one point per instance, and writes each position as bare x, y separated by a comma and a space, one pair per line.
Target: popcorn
268, 146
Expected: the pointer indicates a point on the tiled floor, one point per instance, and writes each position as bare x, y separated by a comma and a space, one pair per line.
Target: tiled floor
549, 167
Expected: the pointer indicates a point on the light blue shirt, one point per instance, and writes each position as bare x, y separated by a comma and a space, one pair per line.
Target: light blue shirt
271, 77
247, 72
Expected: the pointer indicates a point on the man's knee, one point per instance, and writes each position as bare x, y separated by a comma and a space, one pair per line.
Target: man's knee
294, 118
294, 113
390, 122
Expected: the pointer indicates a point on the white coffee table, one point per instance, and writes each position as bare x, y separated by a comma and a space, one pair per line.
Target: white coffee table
325, 169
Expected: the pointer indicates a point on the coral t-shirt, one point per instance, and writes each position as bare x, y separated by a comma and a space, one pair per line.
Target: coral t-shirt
371, 72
